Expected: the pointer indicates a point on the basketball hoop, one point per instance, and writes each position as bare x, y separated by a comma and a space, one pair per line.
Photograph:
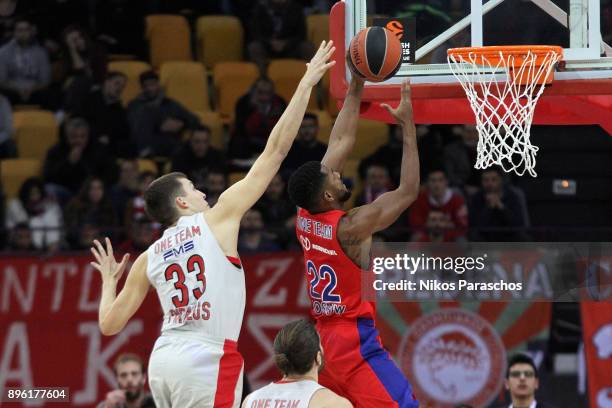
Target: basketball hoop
503, 85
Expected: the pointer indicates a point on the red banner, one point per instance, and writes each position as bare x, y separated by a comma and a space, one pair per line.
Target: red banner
597, 332
49, 335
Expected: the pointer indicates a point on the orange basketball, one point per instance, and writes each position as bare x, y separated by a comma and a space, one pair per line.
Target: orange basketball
375, 53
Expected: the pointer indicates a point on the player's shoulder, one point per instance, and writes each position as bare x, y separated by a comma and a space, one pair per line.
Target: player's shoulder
326, 398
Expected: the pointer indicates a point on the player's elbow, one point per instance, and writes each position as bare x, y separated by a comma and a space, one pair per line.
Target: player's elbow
108, 329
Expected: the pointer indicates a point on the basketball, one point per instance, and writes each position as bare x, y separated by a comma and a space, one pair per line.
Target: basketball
375, 53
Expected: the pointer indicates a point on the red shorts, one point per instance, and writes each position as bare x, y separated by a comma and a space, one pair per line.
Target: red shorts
359, 368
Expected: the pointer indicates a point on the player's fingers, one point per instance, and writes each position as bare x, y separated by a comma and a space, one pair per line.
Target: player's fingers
100, 248
96, 255
124, 260
321, 49
329, 53
387, 107
95, 265
109, 247
329, 65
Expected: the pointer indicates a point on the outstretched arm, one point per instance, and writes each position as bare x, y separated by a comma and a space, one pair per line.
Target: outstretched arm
342, 138
115, 311
365, 220
237, 199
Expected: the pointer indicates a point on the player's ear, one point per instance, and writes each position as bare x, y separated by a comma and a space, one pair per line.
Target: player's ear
181, 203
327, 195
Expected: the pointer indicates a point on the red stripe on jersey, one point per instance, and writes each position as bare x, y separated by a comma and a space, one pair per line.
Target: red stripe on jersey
235, 261
229, 373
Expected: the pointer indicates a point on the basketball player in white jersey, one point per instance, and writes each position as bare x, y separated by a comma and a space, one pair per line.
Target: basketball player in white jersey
298, 355
195, 269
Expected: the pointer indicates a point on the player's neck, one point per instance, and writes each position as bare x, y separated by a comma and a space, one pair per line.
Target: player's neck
522, 402
312, 375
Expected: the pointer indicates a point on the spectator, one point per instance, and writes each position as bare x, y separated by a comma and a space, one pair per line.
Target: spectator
522, 382
91, 205
9, 10
377, 182
277, 211
437, 195
215, 184
85, 64
126, 188
3, 236
438, 228
196, 156
157, 122
498, 212
131, 378
86, 235
21, 239
75, 158
135, 208
103, 109
278, 30
141, 235
256, 114
35, 208
25, 71
460, 156
252, 238
306, 147
7, 143
390, 155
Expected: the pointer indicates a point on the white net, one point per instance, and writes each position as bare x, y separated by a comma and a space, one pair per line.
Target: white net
503, 90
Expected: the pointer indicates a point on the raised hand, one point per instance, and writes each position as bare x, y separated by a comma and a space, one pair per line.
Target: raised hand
110, 270
319, 64
403, 111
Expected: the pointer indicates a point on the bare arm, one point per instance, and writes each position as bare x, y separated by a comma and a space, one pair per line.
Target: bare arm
115, 311
326, 398
363, 221
237, 199
342, 138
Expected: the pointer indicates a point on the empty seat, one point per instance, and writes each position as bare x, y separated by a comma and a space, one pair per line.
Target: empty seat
132, 70
186, 83
220, 39
286, 75
370, 136
147, 165
317, 28
231, 81
169, 38
214, 122
13, 172
35, 133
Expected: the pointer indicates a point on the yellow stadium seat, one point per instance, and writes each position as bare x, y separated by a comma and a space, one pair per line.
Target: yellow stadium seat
169, 38
147, 165
35, 133
214, 122
236, 176
13, 172
131, 69
325, 125
286, 74
232, 80
186, 82
328, 101
370, 136
220, 39
317, 28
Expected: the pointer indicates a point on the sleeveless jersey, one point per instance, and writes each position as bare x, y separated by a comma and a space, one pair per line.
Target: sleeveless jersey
288, 394
200, 289
334, 280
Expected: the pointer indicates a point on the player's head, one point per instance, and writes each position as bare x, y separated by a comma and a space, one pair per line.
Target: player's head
297, 349
131, 376
316, 188
171, 196
521, 376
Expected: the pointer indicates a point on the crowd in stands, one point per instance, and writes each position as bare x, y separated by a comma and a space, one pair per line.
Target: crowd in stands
57, 56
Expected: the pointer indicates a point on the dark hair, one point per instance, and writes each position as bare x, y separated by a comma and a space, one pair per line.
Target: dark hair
114, 74
295, 347
521, 359
312, 116
494, 169
159, 197
148, 75
436, 169
305, 185
27, 186
202, 128
125, 357
83, 195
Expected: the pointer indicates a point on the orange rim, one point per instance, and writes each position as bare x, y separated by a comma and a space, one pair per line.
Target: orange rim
498, 53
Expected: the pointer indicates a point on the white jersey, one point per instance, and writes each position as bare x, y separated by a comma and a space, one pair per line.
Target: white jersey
286, 394
200, 289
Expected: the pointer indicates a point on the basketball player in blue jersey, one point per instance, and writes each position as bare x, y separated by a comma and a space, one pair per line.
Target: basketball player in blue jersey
195, 269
